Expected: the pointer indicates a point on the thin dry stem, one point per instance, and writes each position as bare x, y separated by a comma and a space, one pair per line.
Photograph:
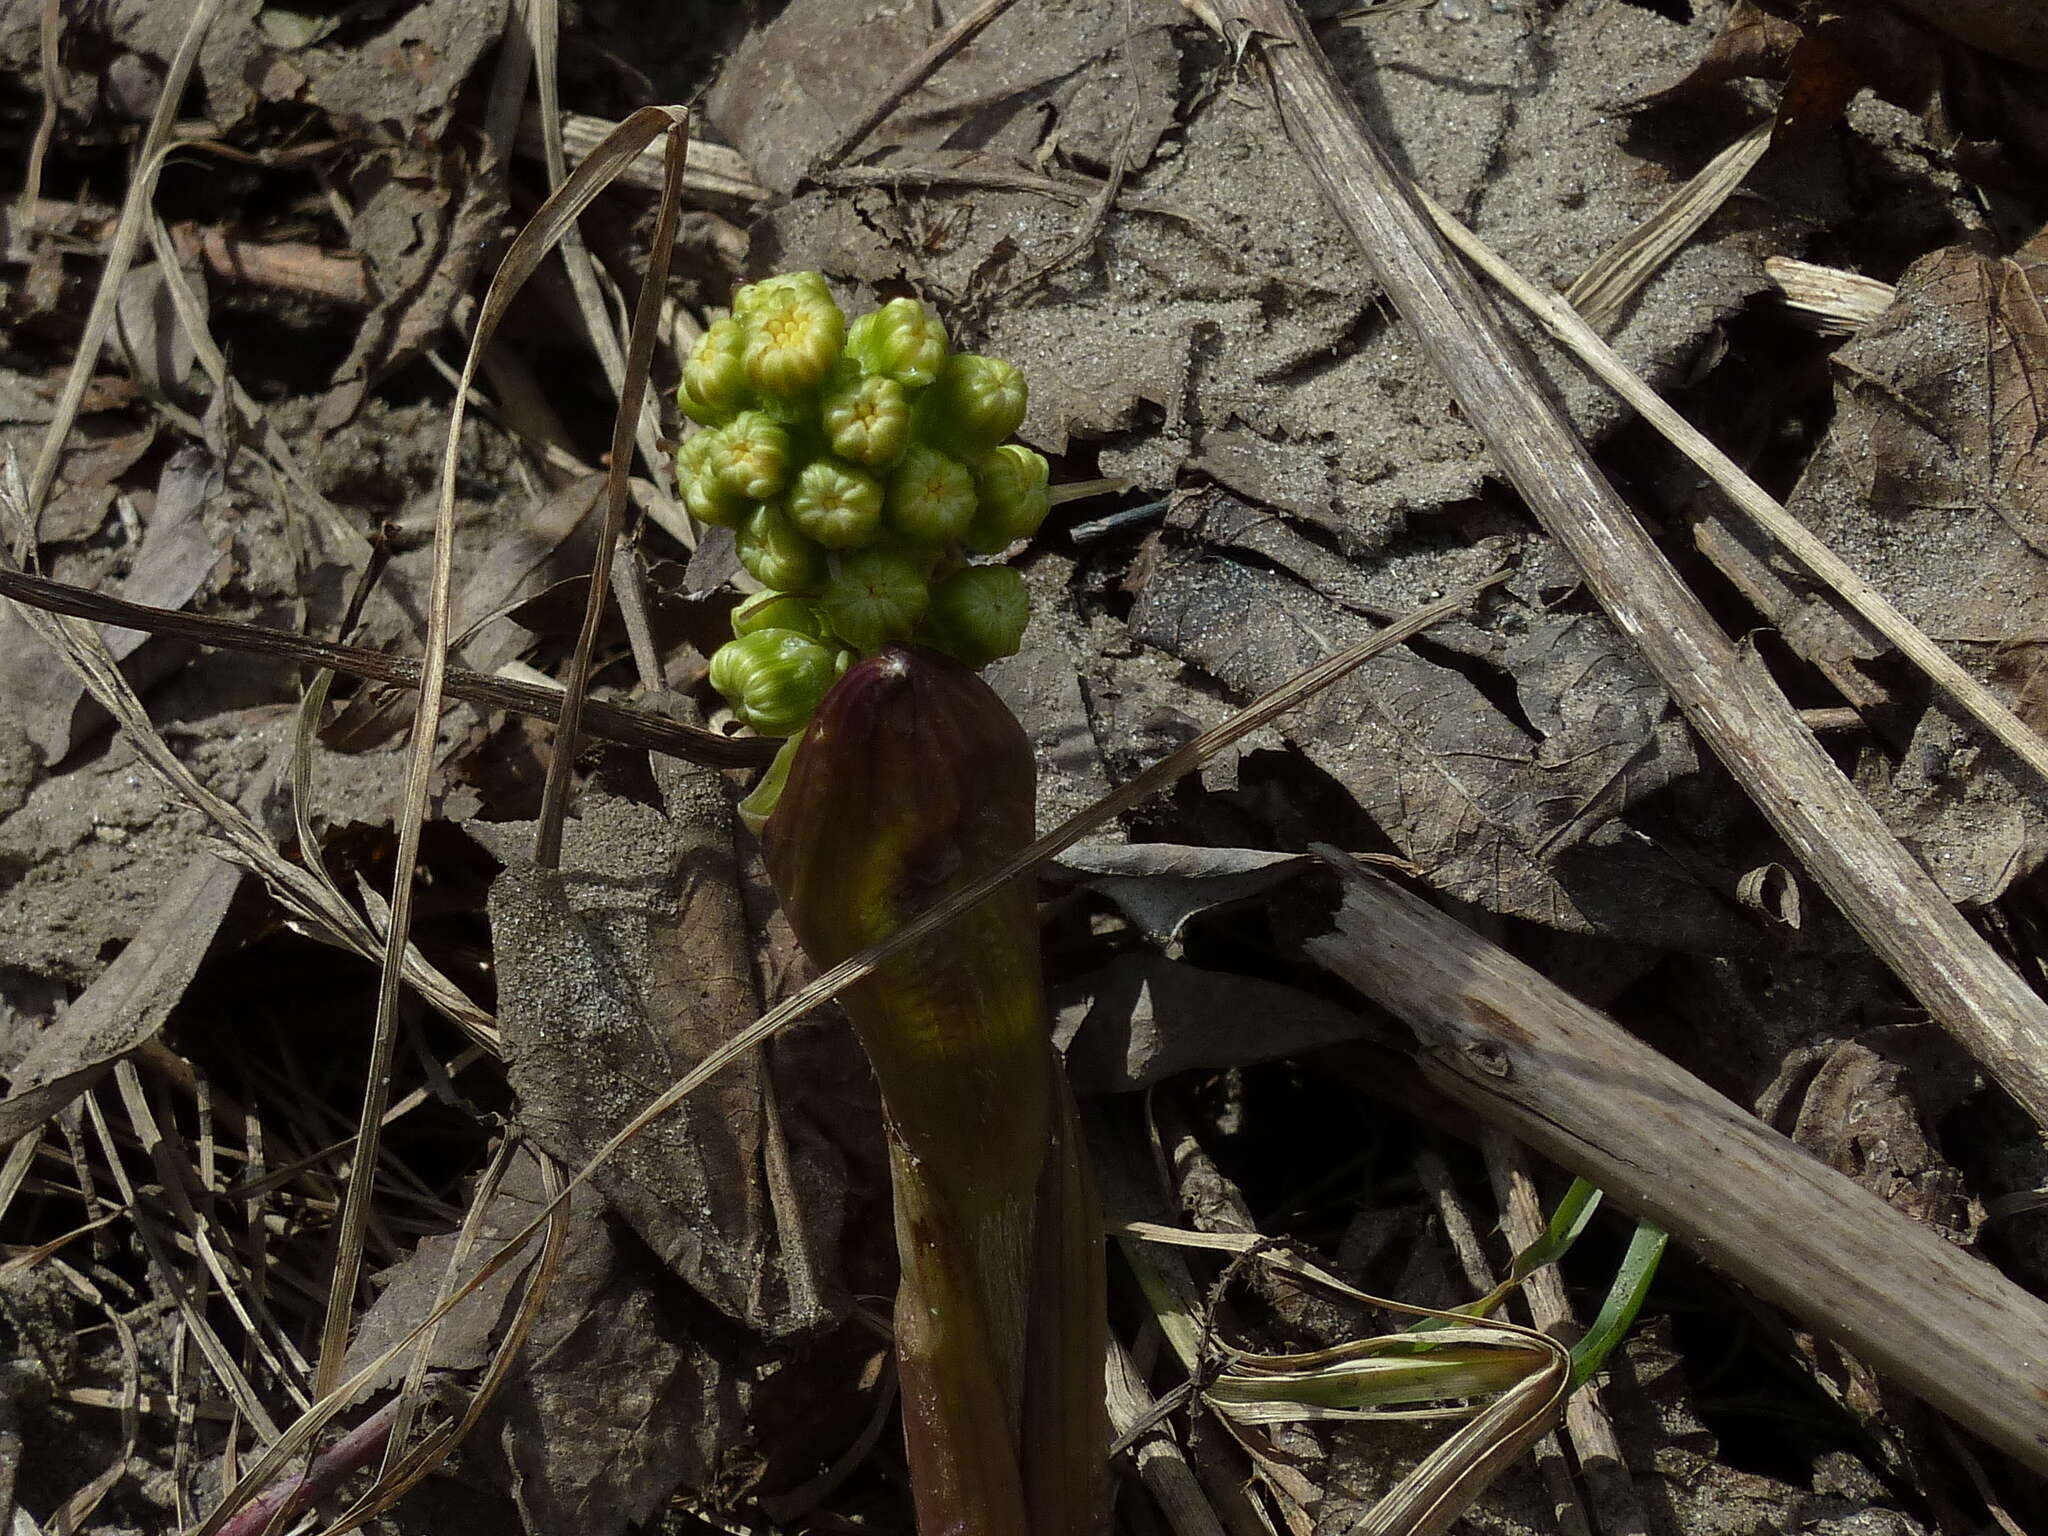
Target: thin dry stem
121, 250
627, 726
547, 850
528, 249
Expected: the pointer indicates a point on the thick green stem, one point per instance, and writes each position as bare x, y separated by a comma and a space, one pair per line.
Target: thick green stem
912, 780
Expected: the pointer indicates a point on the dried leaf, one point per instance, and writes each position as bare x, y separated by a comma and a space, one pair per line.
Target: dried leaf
1529, 814
422, 230
1932, 482
615, 976
176, 557
128, 1003
409, 74
794, 87
1142, 1018
1160, 886
101, 450
616, 1402
148, 336
1860, 1117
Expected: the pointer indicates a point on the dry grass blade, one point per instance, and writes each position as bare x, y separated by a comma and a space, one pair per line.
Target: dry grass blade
1734, 706
1830, 300
172, 1284
1599, 359
527, 251
173, 1167
547, 852
121, 249
1607, 287
126, 1004
409, 1393
713, 169
78, 1509
542, 20
46, 123
1445, 1483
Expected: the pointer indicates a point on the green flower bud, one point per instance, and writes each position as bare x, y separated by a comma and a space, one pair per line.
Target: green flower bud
1010, 485
836, 504
751, 457
977, 402
715, 378
793, 340
750, 299
869, 422
708, 501
902, 340
876, 596
978, 614
778, 610
931, 497
774, 678
777, 555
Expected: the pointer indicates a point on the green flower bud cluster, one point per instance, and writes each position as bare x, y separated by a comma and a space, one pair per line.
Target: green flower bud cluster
859, 466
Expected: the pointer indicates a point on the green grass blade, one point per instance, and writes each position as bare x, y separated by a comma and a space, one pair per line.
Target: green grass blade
1624, 1301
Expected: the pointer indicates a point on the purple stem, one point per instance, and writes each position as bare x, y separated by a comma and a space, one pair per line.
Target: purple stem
283, 1498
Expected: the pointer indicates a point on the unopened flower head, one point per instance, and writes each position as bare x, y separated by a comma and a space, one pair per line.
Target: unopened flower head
777, 555
977, 402
753, 297
793, 339
868, 422
902, 340
836, 504
931, 497
877, 596
778, 610
1011, 498
715, 378
774, 678
750, 456
702, 491
978, 614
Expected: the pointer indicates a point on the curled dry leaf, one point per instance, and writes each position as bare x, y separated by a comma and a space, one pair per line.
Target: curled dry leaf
1772, 889
1161, 886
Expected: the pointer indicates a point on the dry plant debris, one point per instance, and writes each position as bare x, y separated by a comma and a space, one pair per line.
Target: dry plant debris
1103, 191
